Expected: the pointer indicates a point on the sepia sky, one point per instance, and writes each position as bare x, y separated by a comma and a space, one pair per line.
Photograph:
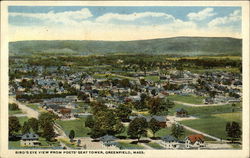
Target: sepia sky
121, 23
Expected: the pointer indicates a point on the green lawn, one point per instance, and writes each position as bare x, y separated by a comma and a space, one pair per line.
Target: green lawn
167, 131
110, 76
127, 145
152, 78
44, 144
215, 124
33, 106
192, 99
155, 145
206, 110
77, 125
23, 119
13, 112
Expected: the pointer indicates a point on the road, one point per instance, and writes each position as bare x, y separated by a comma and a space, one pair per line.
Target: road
198, 105
29, 111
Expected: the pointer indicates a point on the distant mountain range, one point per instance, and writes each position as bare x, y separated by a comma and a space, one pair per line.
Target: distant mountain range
181, 46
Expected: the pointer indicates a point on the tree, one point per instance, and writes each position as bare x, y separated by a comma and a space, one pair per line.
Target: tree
25, 128
14, 125
159, 106
123, 112
48, 131
177, 131
154, 125
233, 130
89, 122
13, 106
138, 128
45, 118
34, 124
71, 135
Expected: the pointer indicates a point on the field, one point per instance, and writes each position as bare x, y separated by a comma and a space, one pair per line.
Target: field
44, 144
13, 112
152, 78
77, 125
206, 110
155, 145
167, 131
33, 106
215, 124
187, 99
127, 145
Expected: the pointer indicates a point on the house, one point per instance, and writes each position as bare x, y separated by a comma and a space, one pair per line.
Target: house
195, 141
108, 141
65, 112
170, 142
30, 139
181, 112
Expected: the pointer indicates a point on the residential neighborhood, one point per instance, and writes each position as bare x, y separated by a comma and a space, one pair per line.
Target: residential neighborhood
127, 106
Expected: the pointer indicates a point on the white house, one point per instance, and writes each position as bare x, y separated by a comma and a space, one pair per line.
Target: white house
170, 142
30, 139
195, 141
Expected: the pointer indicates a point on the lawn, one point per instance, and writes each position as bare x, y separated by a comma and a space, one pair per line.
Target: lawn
13, 112
192, 99
167, 131
33, 106
206, 110
44, 144
127, 145
155, 145
215, 124
152, 78
22, 119
77, 125
110, 76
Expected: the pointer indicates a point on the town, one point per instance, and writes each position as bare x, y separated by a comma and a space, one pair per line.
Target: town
112, 102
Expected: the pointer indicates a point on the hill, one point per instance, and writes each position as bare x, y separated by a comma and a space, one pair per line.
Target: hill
181, 46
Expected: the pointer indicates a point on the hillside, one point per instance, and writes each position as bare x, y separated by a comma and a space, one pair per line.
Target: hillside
181, 46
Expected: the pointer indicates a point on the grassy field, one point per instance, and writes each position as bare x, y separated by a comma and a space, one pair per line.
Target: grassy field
13, 112
214, 124
101, 76
44, 144
22, 119
167, 131
77, 125
152, 78
33, 106
187, 99
155, 145
127, 145
206, 110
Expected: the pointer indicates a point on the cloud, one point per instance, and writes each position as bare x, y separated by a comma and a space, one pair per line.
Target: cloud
67, 17
145, 17
233, 18
208, 12
82, 25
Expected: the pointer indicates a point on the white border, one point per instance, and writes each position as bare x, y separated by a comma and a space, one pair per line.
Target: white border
244, 153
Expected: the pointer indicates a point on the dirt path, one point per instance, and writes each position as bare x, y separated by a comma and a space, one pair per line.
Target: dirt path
27, 110
198, 105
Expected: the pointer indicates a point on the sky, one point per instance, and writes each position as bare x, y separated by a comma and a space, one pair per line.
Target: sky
121, 23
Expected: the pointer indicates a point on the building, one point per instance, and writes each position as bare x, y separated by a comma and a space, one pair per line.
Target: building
30, 139
108, 141
170, 142
181, 112
195, 141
